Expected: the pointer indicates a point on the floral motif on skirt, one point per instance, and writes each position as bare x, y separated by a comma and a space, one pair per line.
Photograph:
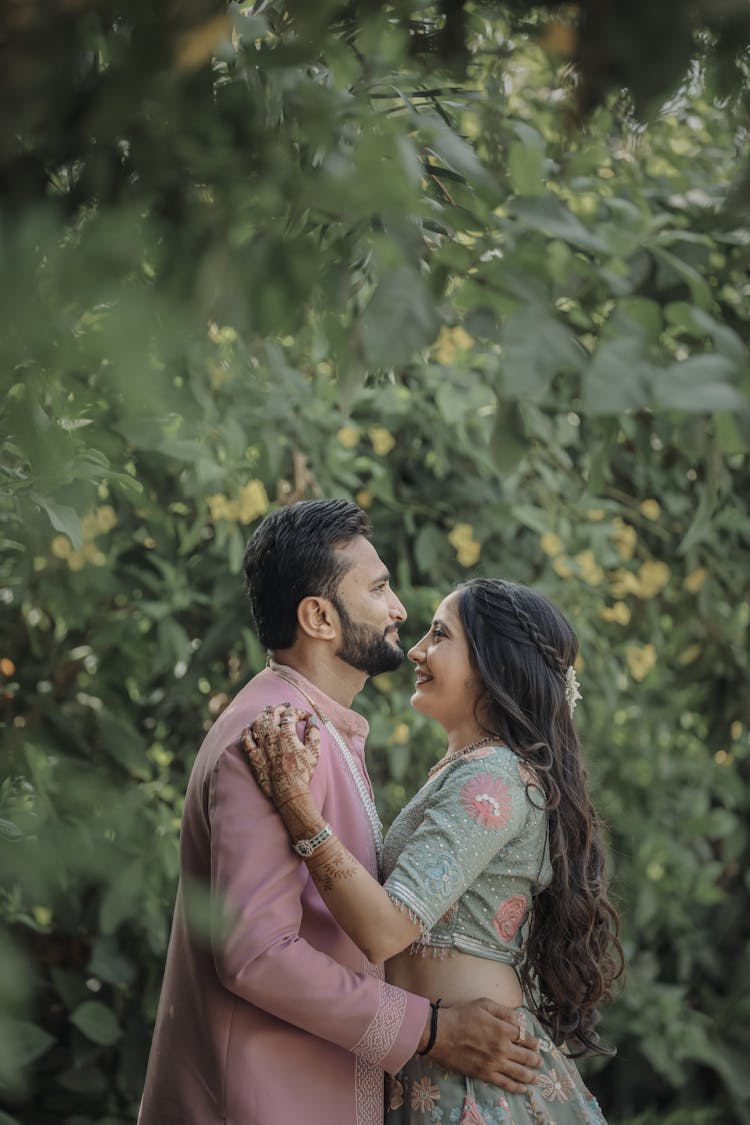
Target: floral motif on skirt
423, 1093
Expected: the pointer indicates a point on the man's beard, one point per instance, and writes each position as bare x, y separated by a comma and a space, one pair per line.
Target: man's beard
364, 648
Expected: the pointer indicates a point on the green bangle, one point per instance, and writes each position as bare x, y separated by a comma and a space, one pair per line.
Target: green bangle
433, 1028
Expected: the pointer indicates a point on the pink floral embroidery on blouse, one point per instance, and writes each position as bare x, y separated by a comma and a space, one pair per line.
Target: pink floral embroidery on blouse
424, 1095
509, 917
472, 1115
555, 1087
487, 800
396, 1093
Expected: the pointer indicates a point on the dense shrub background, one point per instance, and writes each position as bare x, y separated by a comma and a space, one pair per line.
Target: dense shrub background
366, 251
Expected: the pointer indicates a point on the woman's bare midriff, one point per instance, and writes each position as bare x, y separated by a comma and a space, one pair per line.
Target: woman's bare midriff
454, 979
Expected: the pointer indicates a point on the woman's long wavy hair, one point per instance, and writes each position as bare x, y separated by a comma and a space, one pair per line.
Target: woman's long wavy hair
521, 647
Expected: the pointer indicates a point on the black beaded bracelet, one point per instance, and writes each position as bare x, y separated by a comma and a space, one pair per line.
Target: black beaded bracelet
433, 1028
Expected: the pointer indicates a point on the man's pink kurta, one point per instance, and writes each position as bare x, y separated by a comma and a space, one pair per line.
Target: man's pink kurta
282, 1020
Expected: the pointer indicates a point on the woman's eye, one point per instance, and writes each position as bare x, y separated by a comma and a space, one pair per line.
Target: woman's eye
437, 632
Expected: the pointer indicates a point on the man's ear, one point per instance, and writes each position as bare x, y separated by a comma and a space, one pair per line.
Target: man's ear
317, 618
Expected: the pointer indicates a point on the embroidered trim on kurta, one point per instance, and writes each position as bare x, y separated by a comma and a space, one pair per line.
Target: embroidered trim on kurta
380, 1036
368, 1093
368, 1079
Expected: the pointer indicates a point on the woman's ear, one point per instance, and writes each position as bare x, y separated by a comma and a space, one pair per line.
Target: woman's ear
317, 618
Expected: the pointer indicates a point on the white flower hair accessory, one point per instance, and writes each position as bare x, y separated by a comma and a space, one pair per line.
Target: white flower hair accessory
572, 694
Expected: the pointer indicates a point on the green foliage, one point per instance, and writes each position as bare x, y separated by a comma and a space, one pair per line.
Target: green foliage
291, 254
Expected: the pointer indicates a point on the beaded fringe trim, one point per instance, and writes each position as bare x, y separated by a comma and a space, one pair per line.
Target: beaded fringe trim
411, 915
434, 952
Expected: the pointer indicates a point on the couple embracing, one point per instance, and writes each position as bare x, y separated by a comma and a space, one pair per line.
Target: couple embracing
486, 902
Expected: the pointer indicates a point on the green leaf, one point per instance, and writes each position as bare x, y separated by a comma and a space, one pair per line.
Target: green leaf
63, 519
618, 379
428, 545
97, 1023
24, 1041
399, 319
109, 964
508, 442
534, 349
525, 169
9, 830
551, 217
728, 435
698, 385
122, 742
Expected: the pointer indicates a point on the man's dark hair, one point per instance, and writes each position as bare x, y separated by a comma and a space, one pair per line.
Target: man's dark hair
292, 555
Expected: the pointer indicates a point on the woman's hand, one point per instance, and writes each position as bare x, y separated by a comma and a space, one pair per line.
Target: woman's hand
281, 763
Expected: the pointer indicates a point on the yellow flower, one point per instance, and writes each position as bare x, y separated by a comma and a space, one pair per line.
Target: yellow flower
591, 572
7, 667
551, 544
736, 730
624, 582
400, 735
61, 547
219, 507
690, 654
462, 540
42, 914
695, 579
618, 612
641, 659
653, 577
625, 538
106, 518
596, 515
450, 341
469, 554
348, 437
252, 501
217, 375
89, 527
382, 441
223, 335
651, 509
562, 567
365, 498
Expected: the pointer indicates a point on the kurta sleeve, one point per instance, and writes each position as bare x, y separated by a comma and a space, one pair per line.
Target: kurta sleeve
257, 883
478, 807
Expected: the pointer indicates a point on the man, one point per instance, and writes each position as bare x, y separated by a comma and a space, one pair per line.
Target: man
279, 1019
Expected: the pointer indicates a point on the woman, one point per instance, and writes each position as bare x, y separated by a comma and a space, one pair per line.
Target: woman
494, 872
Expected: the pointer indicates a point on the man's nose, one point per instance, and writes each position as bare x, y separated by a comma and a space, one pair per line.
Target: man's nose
397, 609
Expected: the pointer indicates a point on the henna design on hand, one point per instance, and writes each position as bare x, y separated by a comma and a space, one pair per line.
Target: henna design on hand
281, 763
332, 867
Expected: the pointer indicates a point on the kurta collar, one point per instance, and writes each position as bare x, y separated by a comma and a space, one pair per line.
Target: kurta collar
349, 724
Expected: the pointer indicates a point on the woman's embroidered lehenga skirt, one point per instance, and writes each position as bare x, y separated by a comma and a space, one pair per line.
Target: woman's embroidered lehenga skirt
423, 1093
